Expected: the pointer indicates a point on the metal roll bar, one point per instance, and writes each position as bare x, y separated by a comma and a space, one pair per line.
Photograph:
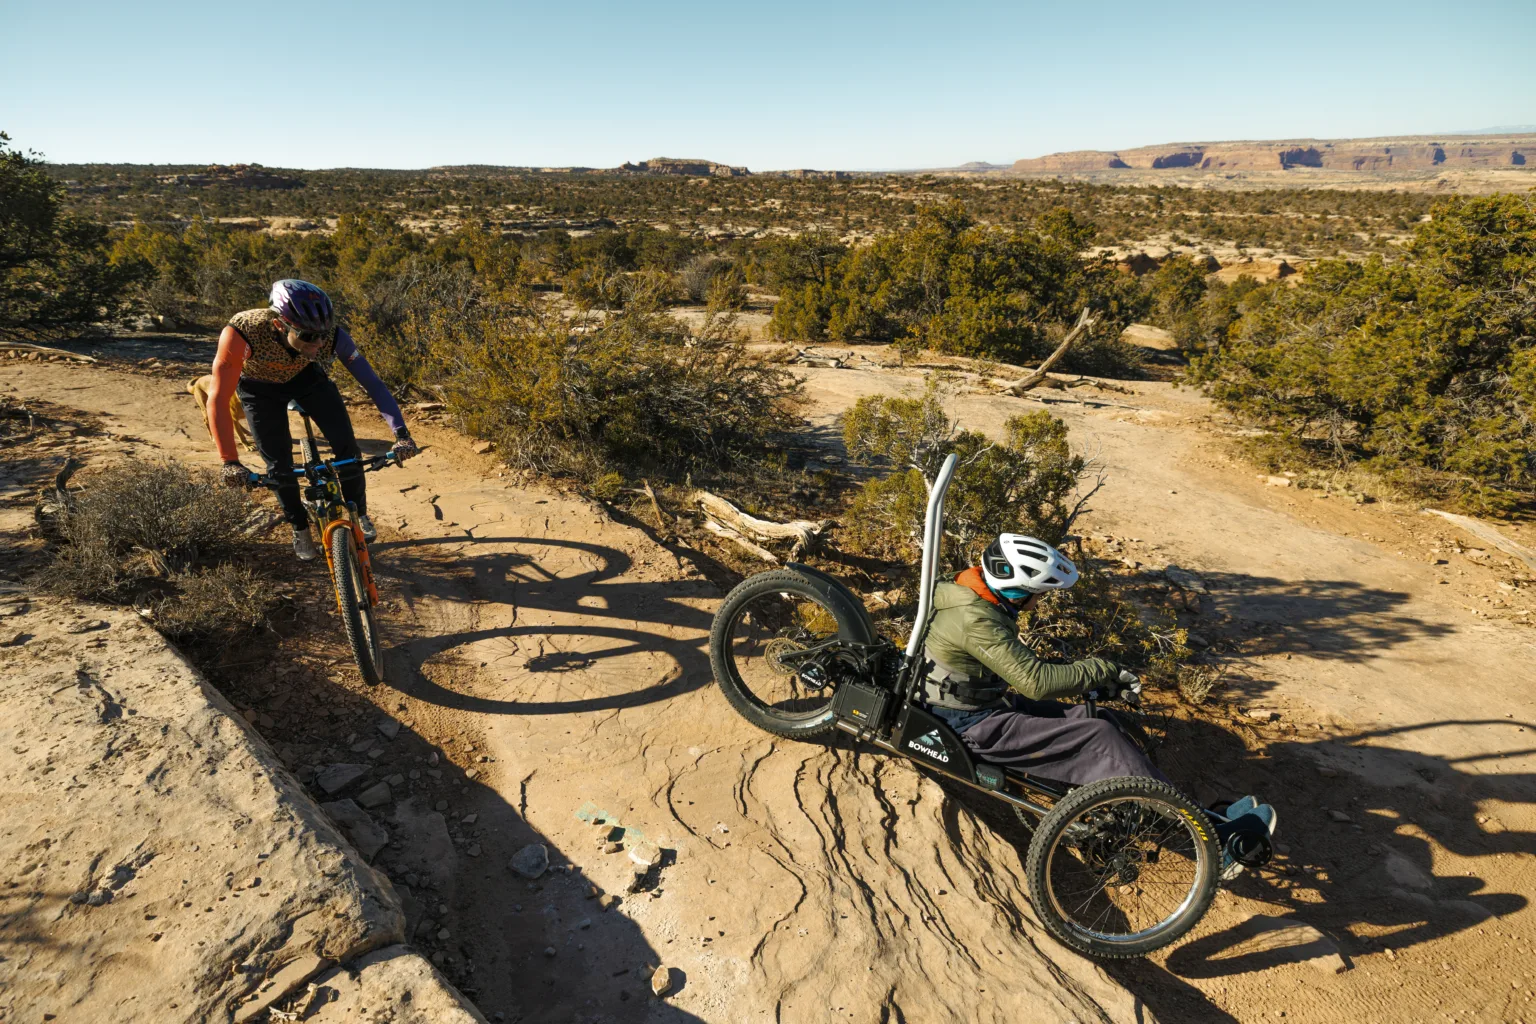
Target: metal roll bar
933, 540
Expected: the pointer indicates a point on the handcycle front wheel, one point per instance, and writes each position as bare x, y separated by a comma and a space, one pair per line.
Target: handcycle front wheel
356, 607
769, 639
1122, 867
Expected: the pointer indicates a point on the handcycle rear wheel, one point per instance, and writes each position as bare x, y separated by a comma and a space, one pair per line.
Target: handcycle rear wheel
1122, 867
756, 645
356, 606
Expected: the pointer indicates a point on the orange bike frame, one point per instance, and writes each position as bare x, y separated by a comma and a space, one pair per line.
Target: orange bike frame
362, 557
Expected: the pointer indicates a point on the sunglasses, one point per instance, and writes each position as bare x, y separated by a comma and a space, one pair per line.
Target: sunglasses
305, 337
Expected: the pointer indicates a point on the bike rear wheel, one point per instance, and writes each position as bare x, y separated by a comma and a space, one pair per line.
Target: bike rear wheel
356, 606
1122, 867
764, 643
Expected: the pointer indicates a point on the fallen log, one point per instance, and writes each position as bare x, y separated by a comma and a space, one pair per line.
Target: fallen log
21, 346
1042, 372
1486, 533
742, 542
804, 536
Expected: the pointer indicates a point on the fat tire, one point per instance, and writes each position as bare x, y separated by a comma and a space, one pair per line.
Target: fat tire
853, 625
1066, 810
356, 614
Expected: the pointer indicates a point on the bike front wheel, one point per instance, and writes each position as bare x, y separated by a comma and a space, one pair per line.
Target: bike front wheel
356, 606
1122, 867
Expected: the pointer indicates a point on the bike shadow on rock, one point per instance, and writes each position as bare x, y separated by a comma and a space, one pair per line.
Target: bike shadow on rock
552, 948
661, 617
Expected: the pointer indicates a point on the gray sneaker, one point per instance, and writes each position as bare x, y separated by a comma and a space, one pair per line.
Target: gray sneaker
366, 524
303, 544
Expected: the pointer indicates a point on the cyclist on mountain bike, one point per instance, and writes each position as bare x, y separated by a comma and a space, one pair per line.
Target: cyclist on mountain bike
280, 354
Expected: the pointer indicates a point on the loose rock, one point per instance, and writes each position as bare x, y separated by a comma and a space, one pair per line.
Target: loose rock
647, 855
376, 795
531, 861
661, 981
334, 778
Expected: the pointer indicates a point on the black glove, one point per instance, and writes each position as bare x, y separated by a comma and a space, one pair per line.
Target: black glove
235, 475
1126, 688
404, 447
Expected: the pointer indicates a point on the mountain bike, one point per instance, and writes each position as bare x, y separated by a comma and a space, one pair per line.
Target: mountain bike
1116, 868
341, 538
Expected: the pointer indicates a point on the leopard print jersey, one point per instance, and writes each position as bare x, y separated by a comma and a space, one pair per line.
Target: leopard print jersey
271, 360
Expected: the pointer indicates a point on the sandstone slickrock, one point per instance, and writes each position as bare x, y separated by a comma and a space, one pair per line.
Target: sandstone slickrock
366, 834
394, 984
127, 775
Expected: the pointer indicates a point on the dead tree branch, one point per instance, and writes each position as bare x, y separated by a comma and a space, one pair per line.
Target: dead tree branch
728, 519
1084, 323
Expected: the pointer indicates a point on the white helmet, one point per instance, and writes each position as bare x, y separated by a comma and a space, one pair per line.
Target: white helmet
1016, 567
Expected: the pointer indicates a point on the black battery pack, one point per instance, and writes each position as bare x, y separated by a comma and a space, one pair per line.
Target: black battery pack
866, 706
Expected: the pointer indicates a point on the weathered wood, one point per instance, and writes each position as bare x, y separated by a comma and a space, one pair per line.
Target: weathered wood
742, 542
1487, 533
804, 536
21, 346
1084, 322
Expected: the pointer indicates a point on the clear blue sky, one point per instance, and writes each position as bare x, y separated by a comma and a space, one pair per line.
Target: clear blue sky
789, 84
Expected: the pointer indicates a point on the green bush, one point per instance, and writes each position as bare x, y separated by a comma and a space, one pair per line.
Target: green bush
1023, 484
56, 276
159, 535
955, 286
628, 392
1423, 369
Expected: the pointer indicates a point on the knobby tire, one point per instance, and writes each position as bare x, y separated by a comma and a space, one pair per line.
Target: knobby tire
353, 601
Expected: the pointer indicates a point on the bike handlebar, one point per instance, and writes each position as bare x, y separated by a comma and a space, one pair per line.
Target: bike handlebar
369, 465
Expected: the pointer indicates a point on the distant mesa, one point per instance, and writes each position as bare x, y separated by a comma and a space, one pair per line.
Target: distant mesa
235, 175
807, 174
689, 168
1420, 153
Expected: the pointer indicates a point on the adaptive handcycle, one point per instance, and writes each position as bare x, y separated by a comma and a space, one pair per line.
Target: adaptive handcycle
1115, 868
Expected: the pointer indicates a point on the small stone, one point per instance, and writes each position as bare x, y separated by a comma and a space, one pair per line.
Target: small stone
362, 745
646, 855
415, 774
441, 805
336, 777
584, 923
661, 981
531, 861
88, 626
1391, 954
396, 779
1262, 714
549, 950
1328, 773
480, 448
98, 898
470, 773
612, 847
443, 935
1278, 481
389, 728
376, 795
607, 901
1196, 640
1340, 817
469, 819
474, 850
432, 758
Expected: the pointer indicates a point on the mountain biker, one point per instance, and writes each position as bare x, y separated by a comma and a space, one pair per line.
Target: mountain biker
271, 356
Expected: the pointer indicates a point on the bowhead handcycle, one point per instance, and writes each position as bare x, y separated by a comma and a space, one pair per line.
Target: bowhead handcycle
341, 538
1115, 868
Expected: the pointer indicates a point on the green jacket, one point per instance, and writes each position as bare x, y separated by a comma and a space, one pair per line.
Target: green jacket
968, 635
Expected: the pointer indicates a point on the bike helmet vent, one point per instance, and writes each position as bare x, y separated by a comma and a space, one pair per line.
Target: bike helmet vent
1017, 563
303, 305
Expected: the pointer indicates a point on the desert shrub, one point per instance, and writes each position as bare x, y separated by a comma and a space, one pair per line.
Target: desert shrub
158, 534
955, 286
1423, 369
628, 392
699, 273
56, 274
1024, 483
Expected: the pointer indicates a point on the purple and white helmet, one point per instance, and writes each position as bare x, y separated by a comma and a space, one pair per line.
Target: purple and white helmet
303, 305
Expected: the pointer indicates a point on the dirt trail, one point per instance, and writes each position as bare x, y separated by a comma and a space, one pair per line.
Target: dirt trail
807, 883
